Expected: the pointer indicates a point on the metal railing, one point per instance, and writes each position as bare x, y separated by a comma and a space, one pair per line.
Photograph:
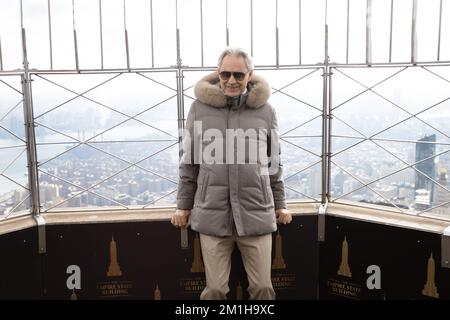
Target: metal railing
325, 116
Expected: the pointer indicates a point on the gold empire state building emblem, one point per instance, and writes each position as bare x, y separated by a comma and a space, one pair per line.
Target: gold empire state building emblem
114, 268
278, 261
197, 264
344, 268
157, 293
239, 293
73, 296
430, 287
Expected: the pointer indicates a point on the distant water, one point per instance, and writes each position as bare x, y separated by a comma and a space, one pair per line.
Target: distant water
18, 171
7, 185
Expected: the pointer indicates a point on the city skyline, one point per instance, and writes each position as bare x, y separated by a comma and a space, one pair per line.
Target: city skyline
78, 167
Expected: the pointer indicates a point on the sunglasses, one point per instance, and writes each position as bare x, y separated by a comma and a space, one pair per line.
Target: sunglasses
225, 75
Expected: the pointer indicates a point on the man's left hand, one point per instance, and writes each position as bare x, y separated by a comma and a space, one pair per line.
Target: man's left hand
283, 216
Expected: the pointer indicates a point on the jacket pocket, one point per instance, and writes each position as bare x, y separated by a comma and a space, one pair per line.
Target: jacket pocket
264, 189
204, 187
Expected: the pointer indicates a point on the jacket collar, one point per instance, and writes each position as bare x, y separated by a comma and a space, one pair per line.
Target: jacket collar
208, 91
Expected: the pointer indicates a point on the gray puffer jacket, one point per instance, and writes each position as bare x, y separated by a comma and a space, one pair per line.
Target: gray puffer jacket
224, 192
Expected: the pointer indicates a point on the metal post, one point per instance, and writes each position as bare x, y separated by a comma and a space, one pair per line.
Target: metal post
439, 34
325, 117
101, 31
251, 28
369, 32
151, 33
348, 30
300, 32
277, 40
32, 164
227, 31
127, 51
414, 33
50, 34
201, 30
330, 118
180, 96
180, 110
445, 248
30, 134
75, 42
325, 143
1, 59
390, 31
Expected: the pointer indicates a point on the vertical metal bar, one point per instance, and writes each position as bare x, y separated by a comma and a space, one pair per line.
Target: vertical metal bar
414, 33
329, 132
75, 43
439, 35
178, 49
180, 110
325, 115
300, 32
30, 134
21, 18
176, 14
369, 32
445, 248
251, 28
348, 30
151, 32
77, 67
325, 145
227, 32
390, 31
201, 29
321, 223
184, 243
277, 40
29, 124
22, 32
1, 57
179, 65
101, 31
32, 163
50, 34
42, 243
127, 51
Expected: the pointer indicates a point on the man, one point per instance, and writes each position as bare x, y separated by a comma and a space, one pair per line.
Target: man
232, 201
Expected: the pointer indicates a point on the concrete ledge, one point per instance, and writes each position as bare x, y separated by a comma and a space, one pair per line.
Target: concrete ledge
150, 214
375, 214
350, 210
90, 215
16, 224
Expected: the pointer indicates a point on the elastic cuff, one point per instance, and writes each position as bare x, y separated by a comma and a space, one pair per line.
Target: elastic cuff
185, 204
280, 205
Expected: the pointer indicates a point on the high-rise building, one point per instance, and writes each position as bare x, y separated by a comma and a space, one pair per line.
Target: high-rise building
425, 149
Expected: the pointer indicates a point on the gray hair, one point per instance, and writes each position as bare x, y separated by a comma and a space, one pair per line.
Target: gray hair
238, 52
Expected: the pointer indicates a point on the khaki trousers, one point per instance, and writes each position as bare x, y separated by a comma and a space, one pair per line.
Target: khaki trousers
256, 252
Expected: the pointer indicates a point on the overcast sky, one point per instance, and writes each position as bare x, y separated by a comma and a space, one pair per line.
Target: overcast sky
267, 14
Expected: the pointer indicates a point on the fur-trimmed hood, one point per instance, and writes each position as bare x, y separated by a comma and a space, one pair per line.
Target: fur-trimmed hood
208, 91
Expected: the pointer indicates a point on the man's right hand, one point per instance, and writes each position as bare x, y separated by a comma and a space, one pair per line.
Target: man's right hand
181, 218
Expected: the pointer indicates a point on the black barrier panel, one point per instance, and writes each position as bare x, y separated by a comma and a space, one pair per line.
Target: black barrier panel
144, 260
362, 260
20, 266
